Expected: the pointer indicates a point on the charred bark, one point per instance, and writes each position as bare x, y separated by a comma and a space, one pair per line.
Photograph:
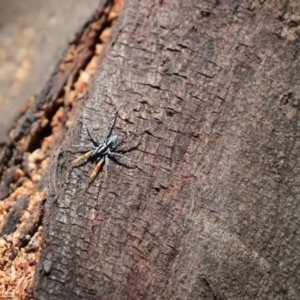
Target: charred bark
212, 210
26, 157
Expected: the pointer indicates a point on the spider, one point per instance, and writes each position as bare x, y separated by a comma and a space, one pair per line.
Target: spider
101, 152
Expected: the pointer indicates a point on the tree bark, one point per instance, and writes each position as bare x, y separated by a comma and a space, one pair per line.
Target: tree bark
211, 209
27, 154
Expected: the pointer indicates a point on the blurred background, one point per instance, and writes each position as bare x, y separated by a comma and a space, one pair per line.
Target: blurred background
33, 35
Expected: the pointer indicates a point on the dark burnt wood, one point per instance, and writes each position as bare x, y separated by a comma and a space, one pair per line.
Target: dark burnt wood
212, 209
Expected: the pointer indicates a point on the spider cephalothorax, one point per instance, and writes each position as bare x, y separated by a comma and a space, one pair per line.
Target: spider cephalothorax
102, 151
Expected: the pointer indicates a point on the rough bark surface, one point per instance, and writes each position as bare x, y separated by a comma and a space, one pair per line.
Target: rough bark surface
25, 158
212, 209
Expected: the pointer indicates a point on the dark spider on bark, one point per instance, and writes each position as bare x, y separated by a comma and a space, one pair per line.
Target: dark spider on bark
102, 151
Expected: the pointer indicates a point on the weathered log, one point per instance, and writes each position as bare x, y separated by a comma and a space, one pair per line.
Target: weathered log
210, 209
27, 155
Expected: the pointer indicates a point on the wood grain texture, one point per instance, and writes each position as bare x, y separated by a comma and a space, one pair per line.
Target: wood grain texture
26, 157
212, 210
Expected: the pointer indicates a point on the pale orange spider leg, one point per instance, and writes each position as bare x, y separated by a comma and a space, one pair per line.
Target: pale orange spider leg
86, 155
97, 169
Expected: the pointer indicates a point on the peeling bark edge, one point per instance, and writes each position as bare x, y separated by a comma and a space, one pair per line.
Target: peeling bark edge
45, 101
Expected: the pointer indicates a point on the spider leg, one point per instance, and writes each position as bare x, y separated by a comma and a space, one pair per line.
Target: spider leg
106, 163
112, 124
91, 132
97, 169
90, 147
132, 133
115, 154
81, 157
106, 160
